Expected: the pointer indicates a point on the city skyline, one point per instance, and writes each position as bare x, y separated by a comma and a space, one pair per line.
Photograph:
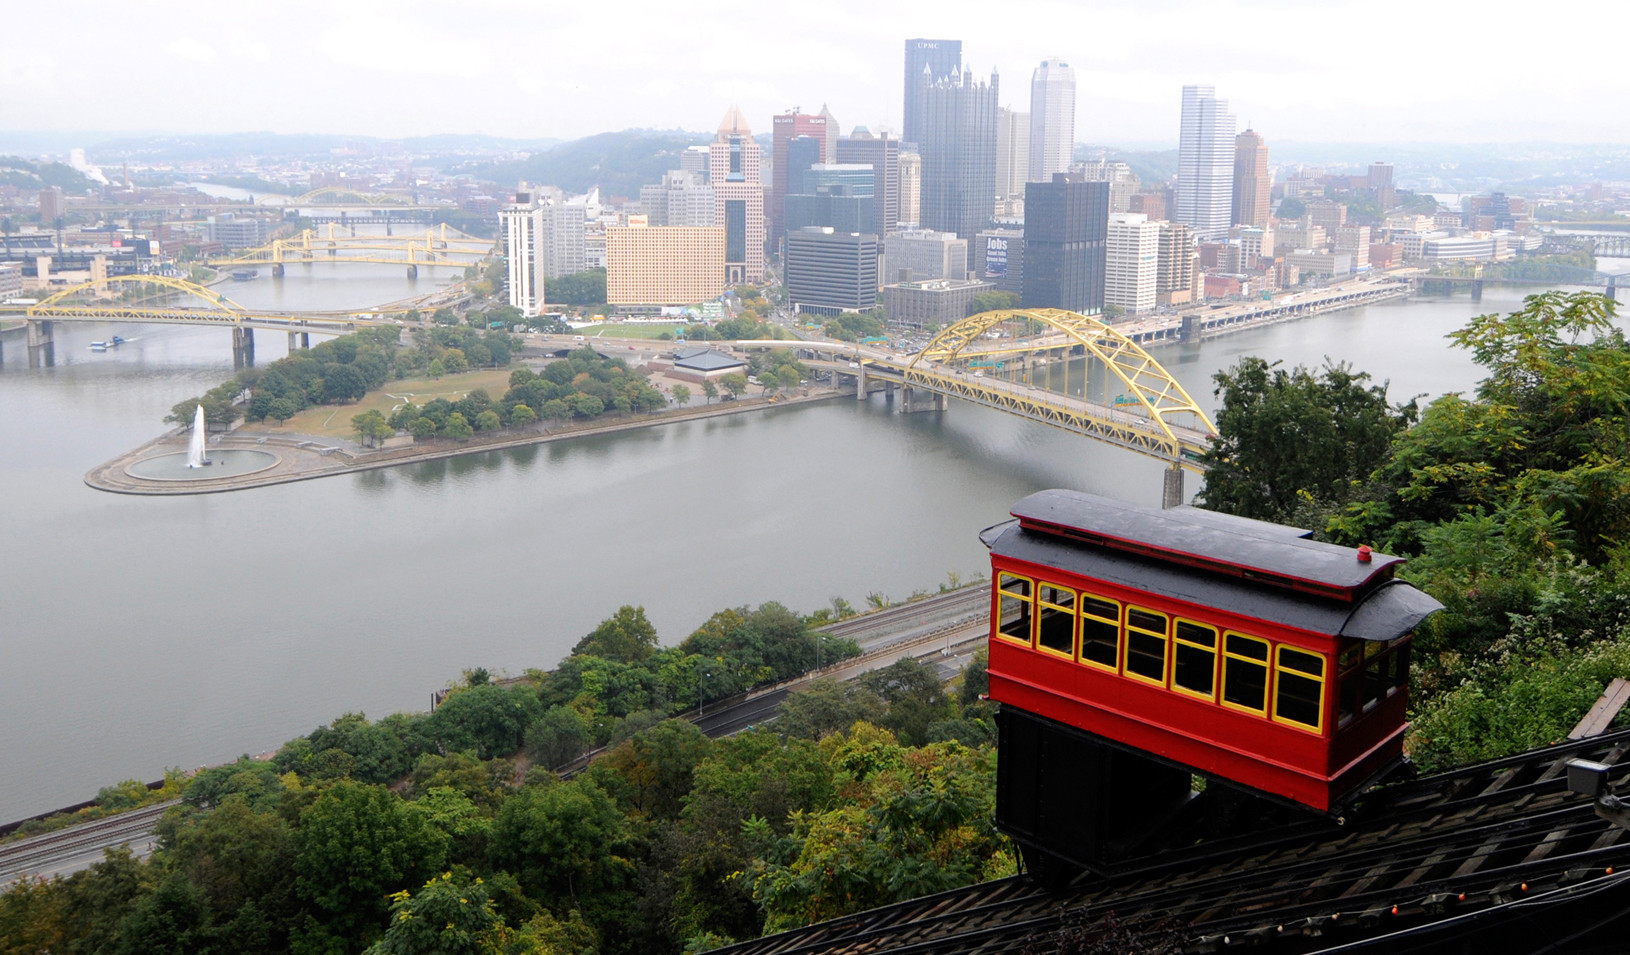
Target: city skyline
507, 69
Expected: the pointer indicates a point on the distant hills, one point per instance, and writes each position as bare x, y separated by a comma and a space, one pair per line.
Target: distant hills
173, 147
27, 175
619, 163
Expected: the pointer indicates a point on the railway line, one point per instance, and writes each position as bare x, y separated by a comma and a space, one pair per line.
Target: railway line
68, 850
1479, 850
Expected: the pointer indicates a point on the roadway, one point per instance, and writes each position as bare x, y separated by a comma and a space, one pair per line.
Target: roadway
67, 851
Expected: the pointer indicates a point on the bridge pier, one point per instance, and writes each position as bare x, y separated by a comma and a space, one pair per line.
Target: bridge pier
916, 400
1477, 290
413, 271
243, 347
1612, 292
860, 383
299, 340
42, 350
1191, 328
277, 270
1171, 492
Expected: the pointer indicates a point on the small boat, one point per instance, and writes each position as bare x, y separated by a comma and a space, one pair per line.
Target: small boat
99, 346
244, 275
117, 341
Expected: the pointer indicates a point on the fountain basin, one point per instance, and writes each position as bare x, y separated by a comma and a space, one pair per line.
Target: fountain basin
224, 463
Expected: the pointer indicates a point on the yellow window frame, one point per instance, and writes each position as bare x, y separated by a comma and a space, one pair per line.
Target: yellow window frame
1165, 644
1075, 619
1081, 630
1002, 577
1213, 651
1322, 679
1266, 663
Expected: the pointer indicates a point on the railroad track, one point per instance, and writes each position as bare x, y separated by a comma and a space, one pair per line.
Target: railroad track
45, 854
1503, 841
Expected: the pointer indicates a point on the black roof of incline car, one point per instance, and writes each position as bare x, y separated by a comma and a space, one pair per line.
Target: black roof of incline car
1264, 552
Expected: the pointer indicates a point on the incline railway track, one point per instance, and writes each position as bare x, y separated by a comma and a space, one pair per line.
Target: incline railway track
1502, 841
54, 851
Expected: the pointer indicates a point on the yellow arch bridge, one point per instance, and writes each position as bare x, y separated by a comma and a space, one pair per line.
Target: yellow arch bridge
436, 247
163, 300
1061, 368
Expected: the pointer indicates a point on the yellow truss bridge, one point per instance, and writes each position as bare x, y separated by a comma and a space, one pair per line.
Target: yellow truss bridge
441, 247
1027, 372
153, 299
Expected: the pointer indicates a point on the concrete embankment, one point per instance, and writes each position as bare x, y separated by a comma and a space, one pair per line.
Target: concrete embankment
308, 458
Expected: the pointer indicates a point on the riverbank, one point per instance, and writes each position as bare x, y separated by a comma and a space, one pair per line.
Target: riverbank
306, 458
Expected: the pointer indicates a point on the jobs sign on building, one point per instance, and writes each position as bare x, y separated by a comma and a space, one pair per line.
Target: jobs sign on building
995, 256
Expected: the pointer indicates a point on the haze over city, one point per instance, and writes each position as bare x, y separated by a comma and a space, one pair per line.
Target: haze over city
1331, 72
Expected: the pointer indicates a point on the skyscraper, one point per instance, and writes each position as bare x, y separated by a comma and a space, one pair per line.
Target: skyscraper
733, 161
1205, 164
882, 153
927, 62
784, 129
1052, 119
523, 238
911, 191
1132, 260
1066, 223
959, 154
1251, 182
833, 133
1012, 153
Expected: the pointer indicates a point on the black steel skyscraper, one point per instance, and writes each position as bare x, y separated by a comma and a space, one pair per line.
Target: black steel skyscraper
940, 58
1066, 224
959, 154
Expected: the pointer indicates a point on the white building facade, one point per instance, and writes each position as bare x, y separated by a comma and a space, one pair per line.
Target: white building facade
1052, 119
1205, 164
1131, 262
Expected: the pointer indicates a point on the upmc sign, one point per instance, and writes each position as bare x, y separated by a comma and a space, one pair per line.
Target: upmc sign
995, 256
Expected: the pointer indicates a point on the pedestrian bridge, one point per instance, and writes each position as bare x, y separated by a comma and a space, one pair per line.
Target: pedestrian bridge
1061, 368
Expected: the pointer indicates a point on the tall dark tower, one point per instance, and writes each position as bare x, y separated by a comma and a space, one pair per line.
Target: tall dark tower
1066, 223
959, 154
939, 59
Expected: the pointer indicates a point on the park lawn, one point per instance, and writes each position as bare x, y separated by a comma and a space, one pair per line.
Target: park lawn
334, 421
629, 331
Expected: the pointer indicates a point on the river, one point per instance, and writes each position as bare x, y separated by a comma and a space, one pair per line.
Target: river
138, 633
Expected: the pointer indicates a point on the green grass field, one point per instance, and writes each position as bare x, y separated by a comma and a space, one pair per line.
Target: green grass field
629, 331
334, 421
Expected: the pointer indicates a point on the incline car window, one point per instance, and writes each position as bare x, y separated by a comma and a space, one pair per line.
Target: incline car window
1194, 659
1245, 672
1014, 612
1055, 619
1299, 688
1100, 631
1146, 644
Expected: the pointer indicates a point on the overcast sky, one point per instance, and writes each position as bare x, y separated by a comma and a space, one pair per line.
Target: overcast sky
1377, 71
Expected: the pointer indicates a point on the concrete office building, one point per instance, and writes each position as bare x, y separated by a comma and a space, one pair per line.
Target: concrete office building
1012, 153
927, 62
523, 237
918, 254
664, 265
1131, 262
1052, 119
564, 224
882, 153
1380, 179
933, 302
1354, 241
828, 272
1252, 184
233, 231
998, 257
784, 129
679, 199
733, 172
959, 154
1205, 164
695, 160
836, 195
1065, 226
1123, 182
1174, 275
911, 191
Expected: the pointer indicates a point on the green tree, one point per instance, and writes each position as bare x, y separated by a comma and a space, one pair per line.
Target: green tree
371, 427
447, 916
357, 844
557, 737
487, 421
1291, 208
681, 394
710, 389
567, 842
437, 369
457, 427
523, 416
626, 636
1290, 439
735, 383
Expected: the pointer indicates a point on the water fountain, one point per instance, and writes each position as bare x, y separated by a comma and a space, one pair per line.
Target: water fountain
195, 448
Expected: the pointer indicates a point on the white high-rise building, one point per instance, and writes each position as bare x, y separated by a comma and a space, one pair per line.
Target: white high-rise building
1205, 164
524, 232
1131, 262
1012, 153
911, 190
1052, 119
